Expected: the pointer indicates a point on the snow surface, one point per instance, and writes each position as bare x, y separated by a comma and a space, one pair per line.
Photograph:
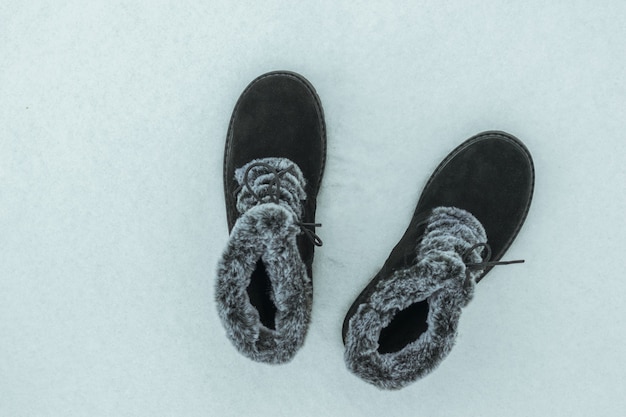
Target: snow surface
113, 117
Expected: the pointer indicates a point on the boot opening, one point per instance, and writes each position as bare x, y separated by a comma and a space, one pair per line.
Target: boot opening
259, 292
406, 327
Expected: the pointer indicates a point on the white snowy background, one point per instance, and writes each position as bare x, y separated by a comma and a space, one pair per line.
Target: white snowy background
113, 117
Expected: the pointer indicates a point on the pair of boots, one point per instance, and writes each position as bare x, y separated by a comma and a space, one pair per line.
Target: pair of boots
404, 323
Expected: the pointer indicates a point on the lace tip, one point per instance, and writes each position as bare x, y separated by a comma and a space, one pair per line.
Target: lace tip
518, 261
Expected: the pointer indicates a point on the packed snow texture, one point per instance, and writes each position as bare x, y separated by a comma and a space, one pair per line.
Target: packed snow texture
113, 118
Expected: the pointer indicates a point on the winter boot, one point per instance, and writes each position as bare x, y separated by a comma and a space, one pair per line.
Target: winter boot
405, 321
273, 166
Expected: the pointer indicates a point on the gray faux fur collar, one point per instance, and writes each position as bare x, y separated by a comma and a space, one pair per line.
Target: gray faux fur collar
439, 277
266, 230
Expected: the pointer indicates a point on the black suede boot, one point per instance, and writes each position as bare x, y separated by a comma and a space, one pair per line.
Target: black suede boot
405, 321
273, 166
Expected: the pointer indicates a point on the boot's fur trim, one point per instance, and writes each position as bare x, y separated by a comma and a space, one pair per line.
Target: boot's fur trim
266, 231
438, 276
260, 180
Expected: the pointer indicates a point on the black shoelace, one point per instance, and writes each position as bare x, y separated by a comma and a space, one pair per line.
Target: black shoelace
470, 266
274, 193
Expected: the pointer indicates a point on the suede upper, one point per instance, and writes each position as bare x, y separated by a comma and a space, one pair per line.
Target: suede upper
491, 176
278, 115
